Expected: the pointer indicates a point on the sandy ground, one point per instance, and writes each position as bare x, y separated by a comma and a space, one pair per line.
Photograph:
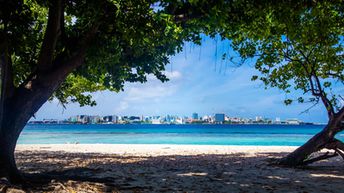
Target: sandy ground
154, 150
169, 168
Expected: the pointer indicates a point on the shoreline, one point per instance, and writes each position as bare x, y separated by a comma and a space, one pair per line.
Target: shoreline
153, 149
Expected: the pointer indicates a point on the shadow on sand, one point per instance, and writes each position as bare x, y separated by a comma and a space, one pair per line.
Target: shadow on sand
77, 172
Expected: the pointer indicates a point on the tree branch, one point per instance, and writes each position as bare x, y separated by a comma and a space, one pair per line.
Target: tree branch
335, 144
52, 33
318, 91
309, 108
325, 100
340, 116
339, 76
6, 82
2, 86
31, 96
6, 68
80, 52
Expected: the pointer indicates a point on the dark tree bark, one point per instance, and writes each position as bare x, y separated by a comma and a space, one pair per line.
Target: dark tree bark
7, 160
26, 101
324, 139
18, 104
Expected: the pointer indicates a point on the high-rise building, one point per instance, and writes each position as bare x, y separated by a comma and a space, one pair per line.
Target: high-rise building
110, 119
73, 119
94, 119
219, 117
195, 116
82, 119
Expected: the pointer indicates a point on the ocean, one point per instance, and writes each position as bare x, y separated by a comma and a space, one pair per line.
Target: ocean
276, 135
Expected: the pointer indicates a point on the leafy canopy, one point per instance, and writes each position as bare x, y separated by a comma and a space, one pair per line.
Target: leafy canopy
295, 47
294, 44
134, 38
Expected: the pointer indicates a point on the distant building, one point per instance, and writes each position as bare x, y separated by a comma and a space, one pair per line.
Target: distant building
206, 119
235, 120
293, 122
179, 121
94, 119
110, 119
195, 116
36, 122
73, 119
82, 119
156, 121
134, 119
259, 118
219, 118
50, 121
168, 119
107, 119
267, 121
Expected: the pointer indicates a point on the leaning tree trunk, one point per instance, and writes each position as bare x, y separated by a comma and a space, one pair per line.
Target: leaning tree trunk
323, 139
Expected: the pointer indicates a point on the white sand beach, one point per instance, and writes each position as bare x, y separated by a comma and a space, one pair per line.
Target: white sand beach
171, 168
155, 150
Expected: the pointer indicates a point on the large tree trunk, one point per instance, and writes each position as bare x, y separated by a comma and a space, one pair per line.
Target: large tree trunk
8, 167
321, 140
18, 104
8, 137
17, 111
14, 120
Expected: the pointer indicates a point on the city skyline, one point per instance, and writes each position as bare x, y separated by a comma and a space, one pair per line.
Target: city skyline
217, 118
199, 81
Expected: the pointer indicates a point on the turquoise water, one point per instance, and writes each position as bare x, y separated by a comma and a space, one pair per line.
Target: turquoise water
284, 135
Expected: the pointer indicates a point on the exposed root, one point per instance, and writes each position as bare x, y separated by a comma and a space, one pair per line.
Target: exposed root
337, 146
340, 153
327, 155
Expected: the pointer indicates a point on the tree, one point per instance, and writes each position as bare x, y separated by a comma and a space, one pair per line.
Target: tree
65, 49
299, 48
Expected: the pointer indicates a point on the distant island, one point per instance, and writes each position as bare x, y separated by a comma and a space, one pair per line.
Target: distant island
218, 118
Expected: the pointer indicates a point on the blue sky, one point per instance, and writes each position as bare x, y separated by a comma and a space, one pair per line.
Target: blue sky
199, 82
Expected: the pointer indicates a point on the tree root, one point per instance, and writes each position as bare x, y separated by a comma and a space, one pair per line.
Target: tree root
340, 153
335, 145
327, 155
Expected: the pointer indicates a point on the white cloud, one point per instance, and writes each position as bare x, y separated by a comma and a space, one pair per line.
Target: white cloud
153, 92
174, 75
146, 92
